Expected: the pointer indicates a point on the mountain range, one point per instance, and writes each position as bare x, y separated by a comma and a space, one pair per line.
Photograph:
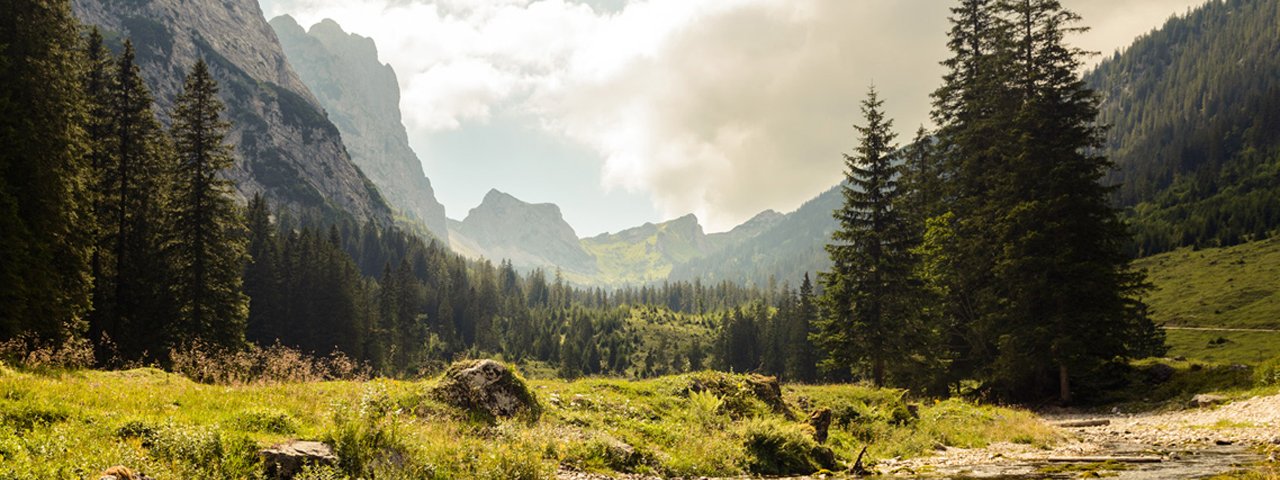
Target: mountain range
287, 149
1193, 104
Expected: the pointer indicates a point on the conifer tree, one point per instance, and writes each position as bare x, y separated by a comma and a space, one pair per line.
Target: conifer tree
44, 209
139, 162
209, 247
1068, 283
870, 258
802, 363
262, 282
98, 88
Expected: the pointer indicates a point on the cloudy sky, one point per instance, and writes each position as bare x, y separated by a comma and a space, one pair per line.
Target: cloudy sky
627, 111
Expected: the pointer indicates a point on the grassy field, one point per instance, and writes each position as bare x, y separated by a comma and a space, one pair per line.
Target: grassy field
1222, 288
64, 425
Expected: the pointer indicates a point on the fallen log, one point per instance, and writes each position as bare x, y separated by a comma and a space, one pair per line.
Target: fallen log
1104, 459
1083, 423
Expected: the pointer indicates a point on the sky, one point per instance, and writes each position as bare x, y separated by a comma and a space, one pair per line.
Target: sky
631, 111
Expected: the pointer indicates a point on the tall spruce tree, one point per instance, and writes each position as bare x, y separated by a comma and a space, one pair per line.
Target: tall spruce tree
1029, 258
44, 212
209, 241
870, 256
1072, 298
139, 164
98, 87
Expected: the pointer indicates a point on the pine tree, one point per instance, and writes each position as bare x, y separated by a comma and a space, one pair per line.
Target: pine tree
1029, 259
1071, 297
98, 88
869, 252
137, 178
262, 282
802, 363
209, 248
44, 209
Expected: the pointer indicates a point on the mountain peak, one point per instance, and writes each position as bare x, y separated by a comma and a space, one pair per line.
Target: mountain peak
531, 235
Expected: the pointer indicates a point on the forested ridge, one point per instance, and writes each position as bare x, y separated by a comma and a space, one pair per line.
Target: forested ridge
1194, 110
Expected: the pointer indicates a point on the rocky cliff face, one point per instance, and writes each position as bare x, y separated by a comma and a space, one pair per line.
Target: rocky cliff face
530, 235
287, 148
362, 98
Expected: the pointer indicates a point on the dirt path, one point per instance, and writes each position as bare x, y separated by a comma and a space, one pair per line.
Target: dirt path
1179, 444
1212, 329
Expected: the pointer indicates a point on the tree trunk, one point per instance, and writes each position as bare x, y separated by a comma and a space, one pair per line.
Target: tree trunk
1064, 385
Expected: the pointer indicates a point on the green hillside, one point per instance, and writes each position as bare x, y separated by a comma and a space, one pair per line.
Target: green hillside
1195, 110
1219, 289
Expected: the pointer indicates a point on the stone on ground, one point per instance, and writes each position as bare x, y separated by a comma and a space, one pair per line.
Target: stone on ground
286, 460
486, 386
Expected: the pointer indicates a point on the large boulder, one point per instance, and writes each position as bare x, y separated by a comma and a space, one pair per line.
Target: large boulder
286, 460
486, 386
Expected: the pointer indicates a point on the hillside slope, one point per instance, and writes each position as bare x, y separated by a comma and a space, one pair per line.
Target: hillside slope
362, 97
791, 247
1195, 114
1218, 304
286, 147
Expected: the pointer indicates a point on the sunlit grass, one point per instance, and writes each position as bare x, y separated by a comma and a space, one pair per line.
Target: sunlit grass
74, 424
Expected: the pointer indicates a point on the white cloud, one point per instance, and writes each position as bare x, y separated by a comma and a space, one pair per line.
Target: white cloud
722, 108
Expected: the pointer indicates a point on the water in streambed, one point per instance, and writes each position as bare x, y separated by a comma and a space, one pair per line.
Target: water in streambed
1199, 462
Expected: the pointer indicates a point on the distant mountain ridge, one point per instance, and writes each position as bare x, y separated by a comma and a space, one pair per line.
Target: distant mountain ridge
286, 148
530, 235
362, 97
536, 236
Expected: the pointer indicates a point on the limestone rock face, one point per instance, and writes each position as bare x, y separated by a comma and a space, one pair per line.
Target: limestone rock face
530, 235
487, 386
362, 96
286, 147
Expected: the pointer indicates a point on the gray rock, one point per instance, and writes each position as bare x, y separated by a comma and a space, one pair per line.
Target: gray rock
1205, 400
286, 460
486, 386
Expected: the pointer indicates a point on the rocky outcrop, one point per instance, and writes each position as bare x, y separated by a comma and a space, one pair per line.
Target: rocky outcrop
362, 96
286, 147
286, 460
530, 235
486, 386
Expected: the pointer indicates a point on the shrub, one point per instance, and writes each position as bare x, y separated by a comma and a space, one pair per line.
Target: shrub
265, 421
1267, 373
256, 365
777, 448
33, 353
741, 394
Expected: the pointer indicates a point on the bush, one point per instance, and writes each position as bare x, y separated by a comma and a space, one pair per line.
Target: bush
777, 448
32, 353
741, 394
265, 421
1267, 373
256, 365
